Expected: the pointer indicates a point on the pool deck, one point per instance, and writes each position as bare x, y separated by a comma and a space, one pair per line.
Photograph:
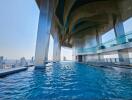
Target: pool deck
5, 72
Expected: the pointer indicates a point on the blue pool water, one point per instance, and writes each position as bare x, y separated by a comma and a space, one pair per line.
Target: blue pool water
66, 81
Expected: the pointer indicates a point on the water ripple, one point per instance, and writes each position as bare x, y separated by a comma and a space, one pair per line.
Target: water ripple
67, 80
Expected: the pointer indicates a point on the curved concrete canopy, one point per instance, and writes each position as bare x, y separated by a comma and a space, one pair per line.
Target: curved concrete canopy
89, 10
67, 8
90, 21
75, 16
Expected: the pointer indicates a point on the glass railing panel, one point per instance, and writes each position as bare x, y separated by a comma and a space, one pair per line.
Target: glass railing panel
108, 44
129, 36
92, 49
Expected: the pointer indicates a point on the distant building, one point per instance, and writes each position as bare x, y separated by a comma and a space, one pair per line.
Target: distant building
17, 63
23, 62
1, 58
1, 62
64, 58
32, 60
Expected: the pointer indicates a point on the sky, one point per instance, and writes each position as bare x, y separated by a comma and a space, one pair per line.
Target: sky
128, 25
18, 28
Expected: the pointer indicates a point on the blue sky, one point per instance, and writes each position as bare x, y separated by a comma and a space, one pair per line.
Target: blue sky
18, 28
128, 25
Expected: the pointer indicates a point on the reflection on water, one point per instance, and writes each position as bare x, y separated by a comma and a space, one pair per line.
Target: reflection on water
67, 80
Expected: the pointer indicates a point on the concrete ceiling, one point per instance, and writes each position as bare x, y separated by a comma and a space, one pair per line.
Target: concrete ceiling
73, 17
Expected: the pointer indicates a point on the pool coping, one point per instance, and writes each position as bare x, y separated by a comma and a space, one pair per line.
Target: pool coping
5, 72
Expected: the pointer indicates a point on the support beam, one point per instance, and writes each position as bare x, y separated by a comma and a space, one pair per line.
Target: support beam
98, 37
57, 48
119, 32
99, 42
124, 56
120, 37
41, 54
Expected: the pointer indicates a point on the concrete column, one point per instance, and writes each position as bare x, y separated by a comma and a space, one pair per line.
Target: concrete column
120, 37
99, 43
84, 58
57, 48
73, 53
76, 45
124, 56
130, 55
42, 44
119, 32
98, 38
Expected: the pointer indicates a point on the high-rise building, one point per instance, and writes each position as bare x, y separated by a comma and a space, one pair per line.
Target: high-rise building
1, 62
23, 62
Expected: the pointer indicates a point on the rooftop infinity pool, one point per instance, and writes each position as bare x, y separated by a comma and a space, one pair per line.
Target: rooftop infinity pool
67, 81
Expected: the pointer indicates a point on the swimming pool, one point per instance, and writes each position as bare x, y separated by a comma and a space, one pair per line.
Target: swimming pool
66, 81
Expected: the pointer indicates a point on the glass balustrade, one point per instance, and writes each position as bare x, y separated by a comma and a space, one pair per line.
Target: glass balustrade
109, 43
